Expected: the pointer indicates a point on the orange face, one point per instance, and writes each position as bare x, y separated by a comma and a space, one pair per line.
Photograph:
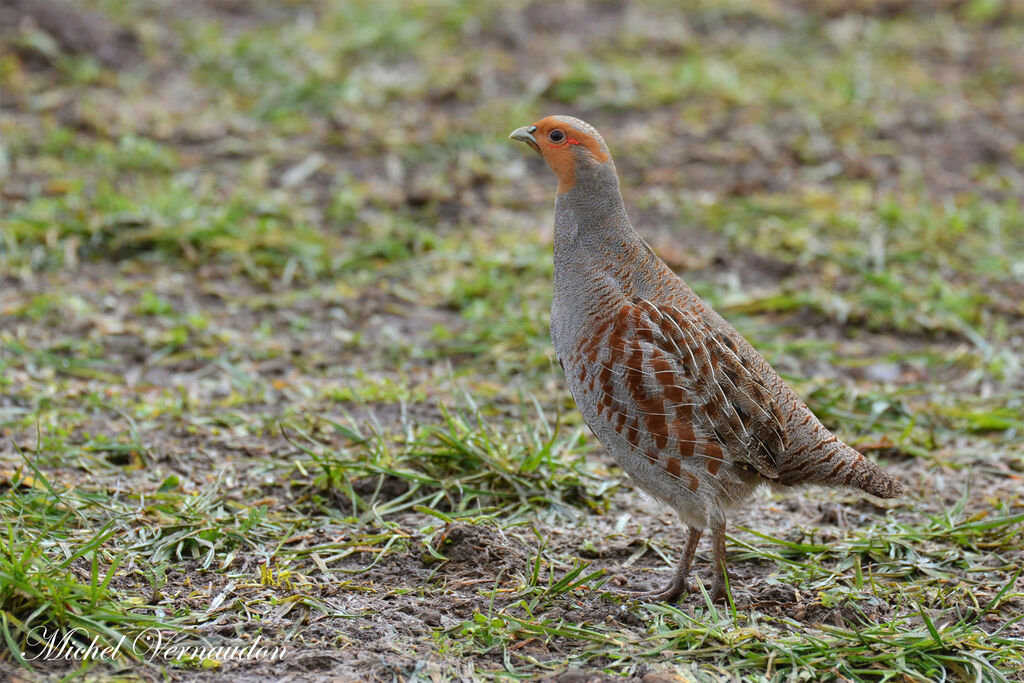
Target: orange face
562, 143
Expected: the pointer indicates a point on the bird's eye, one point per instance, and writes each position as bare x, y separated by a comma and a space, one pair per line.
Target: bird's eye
556, 136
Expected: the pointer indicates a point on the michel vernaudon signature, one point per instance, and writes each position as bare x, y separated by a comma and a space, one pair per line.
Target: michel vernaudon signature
149, 644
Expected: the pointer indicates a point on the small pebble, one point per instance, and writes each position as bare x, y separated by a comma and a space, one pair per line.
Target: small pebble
655, 677
430, 617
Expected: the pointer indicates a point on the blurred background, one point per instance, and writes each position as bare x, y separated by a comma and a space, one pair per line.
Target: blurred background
222, 216
860, 161
830, 166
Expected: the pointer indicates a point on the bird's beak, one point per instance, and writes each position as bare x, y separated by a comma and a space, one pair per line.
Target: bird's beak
525, 134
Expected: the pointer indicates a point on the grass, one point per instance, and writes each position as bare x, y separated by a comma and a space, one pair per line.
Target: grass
274, 356
56, 570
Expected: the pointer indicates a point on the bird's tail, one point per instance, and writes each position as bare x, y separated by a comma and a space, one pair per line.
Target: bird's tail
837, 464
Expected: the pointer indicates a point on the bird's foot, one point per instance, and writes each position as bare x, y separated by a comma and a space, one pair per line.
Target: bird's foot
679, 586
720, 587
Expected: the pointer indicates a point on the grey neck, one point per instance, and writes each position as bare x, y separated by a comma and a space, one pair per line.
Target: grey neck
592, 212
593, 237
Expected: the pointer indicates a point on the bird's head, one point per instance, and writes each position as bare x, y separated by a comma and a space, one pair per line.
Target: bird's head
572, 148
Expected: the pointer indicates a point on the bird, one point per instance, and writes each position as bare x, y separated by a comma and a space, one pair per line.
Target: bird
684, 404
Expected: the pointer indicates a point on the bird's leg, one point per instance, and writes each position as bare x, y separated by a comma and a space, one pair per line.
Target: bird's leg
720, 573
678, 584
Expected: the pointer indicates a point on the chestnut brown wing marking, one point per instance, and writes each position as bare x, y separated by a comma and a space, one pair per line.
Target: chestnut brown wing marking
742, 410
749, 394
751, 398
717, 407
643, 392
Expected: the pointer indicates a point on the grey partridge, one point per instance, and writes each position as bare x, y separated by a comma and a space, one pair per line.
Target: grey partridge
685, 405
